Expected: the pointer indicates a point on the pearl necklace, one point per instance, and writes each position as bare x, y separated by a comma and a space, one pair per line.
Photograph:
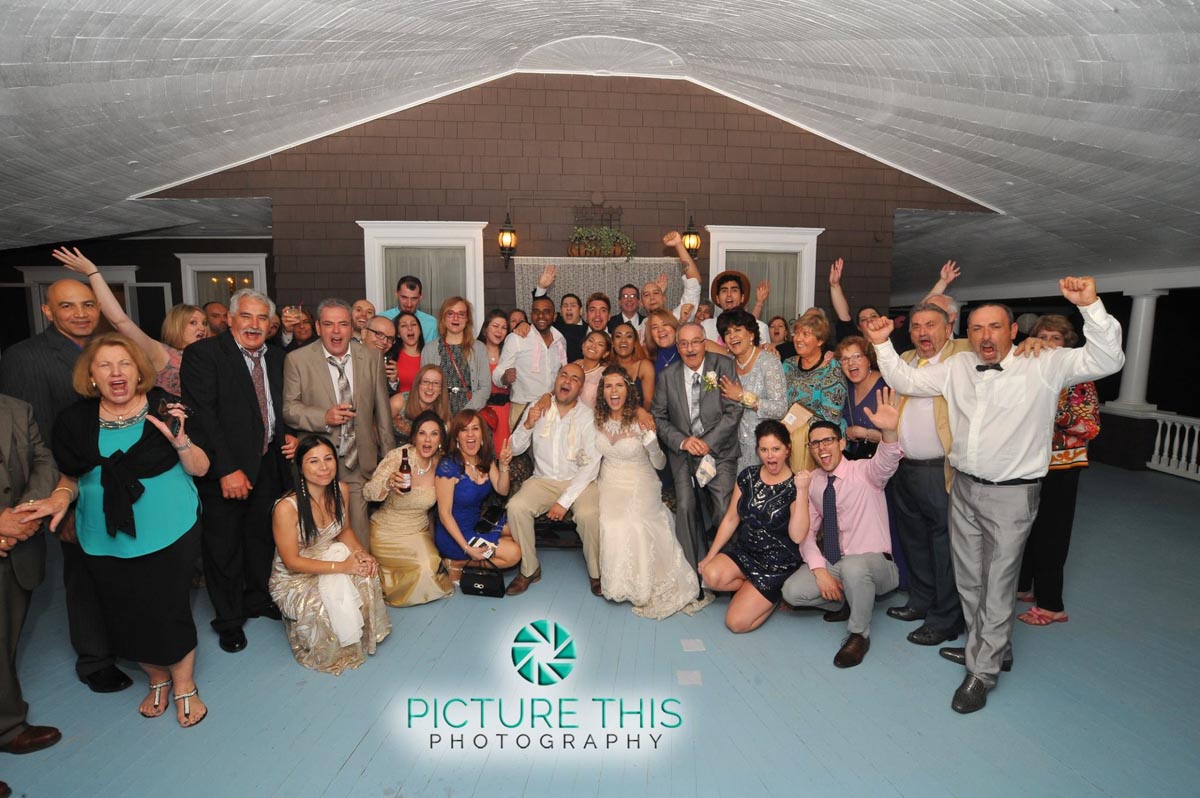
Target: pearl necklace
428, 464
741, 365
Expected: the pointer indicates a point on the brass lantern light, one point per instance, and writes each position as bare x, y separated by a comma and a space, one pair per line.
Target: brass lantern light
691, 238
507, 240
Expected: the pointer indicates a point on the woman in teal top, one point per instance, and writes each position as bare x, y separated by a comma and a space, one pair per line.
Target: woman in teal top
137, 514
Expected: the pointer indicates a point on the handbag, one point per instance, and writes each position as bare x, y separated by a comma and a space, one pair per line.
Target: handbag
484, 579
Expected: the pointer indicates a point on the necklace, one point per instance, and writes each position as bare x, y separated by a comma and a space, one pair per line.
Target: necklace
428, 464
121, 421
749, 360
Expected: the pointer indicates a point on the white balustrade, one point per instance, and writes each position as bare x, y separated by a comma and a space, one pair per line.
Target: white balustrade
1176, 446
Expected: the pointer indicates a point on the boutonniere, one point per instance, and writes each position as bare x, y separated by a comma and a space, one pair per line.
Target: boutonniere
710, 381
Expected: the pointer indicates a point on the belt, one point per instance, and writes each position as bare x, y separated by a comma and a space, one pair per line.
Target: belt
1004, 484
498, 399
937, 462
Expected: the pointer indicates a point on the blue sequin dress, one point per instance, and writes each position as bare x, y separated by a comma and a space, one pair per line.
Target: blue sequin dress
761, 548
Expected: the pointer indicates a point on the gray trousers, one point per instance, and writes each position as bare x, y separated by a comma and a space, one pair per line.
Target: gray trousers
863, 577
14, 603
690, 528
988, 528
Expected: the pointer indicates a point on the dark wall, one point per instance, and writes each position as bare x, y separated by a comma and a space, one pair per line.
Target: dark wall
545, 144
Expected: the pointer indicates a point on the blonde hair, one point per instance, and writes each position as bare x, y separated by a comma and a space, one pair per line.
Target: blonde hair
441, 405
468, 341
81, 376
175, 324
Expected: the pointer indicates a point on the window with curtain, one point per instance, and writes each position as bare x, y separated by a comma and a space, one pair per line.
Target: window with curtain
780, 269
441, 270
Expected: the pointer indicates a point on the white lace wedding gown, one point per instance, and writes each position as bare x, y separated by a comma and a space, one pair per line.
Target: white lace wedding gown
640, 559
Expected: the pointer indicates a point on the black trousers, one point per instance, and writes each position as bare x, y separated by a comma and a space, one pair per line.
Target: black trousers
1049, 539
923, 521
238, 546
85, 620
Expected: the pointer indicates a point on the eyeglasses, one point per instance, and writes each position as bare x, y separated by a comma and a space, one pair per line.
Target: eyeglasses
628, 295
822, 443
853, 358
456, 314
381, 336
430, 383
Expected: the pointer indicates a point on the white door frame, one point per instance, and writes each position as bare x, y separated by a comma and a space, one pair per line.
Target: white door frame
801, 240
378, 236
193, 263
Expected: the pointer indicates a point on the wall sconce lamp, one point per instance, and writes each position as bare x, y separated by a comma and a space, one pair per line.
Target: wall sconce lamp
691, 238
507, 240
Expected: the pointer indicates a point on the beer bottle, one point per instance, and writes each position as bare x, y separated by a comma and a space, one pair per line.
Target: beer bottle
405, 472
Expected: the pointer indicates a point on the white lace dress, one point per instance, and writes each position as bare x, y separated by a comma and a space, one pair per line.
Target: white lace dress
640, 560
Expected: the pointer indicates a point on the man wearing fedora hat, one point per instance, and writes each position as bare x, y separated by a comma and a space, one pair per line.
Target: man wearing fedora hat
730, 290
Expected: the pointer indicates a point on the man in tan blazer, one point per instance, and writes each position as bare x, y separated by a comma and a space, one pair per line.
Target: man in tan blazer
338, 388
26, 473
921, 489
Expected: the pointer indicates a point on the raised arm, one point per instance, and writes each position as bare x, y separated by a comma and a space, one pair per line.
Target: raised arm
928, 381
838, 297
1101, 353
948, 274
77, 262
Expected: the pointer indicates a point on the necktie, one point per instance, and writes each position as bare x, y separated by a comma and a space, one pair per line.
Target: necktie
922, 362
347, 450
988, 366
694, 407
831, 547
260, 391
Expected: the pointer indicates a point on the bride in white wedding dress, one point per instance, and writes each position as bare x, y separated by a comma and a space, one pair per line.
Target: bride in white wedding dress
640, 559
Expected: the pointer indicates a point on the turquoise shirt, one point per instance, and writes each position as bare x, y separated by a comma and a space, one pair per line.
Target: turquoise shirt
428, 323
163, 514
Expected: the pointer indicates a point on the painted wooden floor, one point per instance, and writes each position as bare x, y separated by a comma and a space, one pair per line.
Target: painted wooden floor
1105, 705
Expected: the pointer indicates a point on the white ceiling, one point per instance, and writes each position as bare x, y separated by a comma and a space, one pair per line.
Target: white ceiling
1078, 120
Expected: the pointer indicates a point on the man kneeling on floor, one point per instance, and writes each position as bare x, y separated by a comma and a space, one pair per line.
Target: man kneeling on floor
848, 550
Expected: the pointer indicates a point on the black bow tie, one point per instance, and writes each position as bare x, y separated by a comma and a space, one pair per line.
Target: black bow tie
987, 366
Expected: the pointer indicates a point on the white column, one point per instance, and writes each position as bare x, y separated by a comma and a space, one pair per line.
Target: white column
1138, 340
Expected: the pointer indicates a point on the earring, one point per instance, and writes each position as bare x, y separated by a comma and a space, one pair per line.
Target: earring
93, 383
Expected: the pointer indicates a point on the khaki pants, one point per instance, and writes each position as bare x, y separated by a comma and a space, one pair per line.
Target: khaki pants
537, 496
515, 410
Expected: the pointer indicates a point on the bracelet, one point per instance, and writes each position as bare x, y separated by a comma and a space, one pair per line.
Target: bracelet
69, 492
503, 469
92, 274
186, 446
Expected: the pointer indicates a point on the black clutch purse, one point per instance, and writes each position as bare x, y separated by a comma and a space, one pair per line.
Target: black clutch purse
484, 579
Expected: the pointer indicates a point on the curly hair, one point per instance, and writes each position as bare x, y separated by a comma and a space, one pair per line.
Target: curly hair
628, 413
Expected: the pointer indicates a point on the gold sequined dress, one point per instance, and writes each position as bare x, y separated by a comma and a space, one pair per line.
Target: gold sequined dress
310, 633
402, 539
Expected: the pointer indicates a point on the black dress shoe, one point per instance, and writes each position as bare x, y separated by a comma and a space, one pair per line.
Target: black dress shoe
107, 680
959, 655
233, 640
5, 790
905, 614
840, 614
270, 611
924, 636
852, 651
34, 738
971, 695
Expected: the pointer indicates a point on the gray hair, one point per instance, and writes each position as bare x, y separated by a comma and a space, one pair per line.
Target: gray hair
333, 302
930, 307
235, 301
951, 306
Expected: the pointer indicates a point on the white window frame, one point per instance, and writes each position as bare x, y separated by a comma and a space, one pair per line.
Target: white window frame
378, 236
800, 240
193, 263
41, 277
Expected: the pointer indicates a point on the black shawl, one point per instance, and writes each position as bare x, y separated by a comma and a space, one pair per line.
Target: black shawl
77, 451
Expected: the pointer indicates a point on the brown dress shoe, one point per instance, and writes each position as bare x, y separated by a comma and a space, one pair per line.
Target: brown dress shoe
5, 790
521, 583
852, 651
596, 591
34, 738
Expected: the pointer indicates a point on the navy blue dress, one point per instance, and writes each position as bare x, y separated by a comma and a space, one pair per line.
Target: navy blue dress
469, 497
761, 547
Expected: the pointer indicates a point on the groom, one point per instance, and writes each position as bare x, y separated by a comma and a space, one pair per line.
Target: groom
694, 420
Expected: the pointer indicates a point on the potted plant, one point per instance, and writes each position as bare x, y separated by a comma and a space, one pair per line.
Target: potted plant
601, 242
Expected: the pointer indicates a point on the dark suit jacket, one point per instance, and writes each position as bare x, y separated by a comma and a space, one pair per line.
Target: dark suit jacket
28, 472
720, 415
226, 421
309, 391
38, 371
617, 319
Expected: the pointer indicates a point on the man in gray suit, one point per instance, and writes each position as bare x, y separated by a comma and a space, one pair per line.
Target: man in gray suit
693, 421
339, 389
26, 473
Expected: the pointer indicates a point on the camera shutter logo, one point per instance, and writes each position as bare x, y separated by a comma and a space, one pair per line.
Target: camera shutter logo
553, 643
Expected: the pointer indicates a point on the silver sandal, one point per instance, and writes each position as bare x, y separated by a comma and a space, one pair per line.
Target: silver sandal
186, 698
157, 688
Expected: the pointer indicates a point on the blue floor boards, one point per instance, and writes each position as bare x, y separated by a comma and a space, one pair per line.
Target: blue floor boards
1104, 705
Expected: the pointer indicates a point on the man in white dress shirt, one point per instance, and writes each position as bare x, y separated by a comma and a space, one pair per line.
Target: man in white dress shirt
1002, 409
562, 432
529, 364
